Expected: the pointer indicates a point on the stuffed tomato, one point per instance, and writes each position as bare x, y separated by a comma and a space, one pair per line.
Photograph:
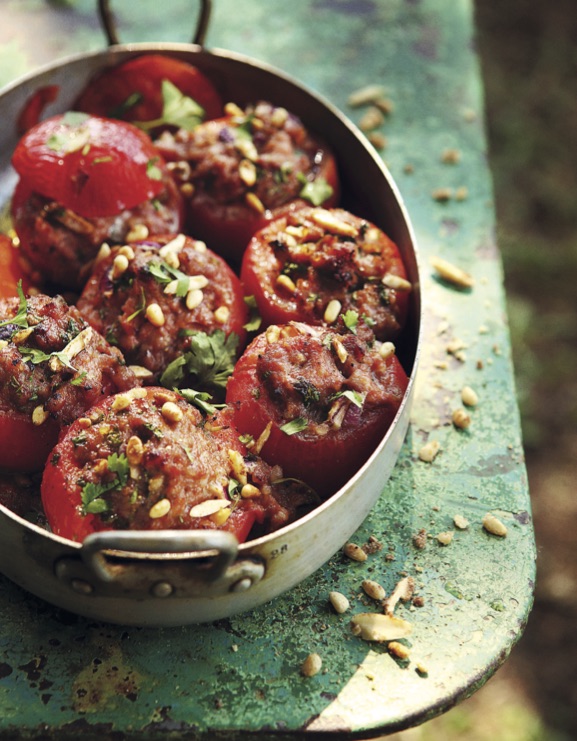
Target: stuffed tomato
85, 180
173, 307
315, 401
53, 366
236, 170
148, 460
152, 91
317, 265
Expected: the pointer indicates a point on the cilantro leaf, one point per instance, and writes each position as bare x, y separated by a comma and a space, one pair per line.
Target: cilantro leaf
177, 110
210, 360
164, 273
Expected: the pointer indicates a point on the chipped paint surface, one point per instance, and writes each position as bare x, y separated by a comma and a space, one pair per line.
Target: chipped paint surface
66, 677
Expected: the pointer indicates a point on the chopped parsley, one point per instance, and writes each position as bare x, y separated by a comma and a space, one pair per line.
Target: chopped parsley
210, 360
308, 391
92, 494
351, 320
163, 273
355, 396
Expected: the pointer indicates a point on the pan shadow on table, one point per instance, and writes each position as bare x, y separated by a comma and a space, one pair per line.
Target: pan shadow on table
528, 60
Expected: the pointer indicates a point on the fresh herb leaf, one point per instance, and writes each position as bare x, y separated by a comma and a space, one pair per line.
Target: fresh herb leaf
164, 273
153, 171
91, 494
177, 110
21, 317
315, 191
351, 320
201, 400
132, 100
79, 379
210, 360
141, 306
254, 318
295, 425
356, 397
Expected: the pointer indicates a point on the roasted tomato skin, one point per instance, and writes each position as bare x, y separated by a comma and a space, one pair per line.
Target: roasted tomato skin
239, 174
11, 271
24, 446
108, 93
306, 258
93, 166
30, 114
298, 377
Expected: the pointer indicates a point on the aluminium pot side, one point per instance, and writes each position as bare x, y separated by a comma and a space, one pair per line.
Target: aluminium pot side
170, 578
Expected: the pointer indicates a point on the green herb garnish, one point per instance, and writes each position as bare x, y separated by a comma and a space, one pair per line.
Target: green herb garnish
315, 191
254, 318
92, 494
177, 110
295, 425
21, 317
210, 360
201, 400
351, 320
355, 396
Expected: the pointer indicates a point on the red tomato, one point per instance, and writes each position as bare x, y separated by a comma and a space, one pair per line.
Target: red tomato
10, 269
150, 471
303, 260
132, 91
300, 375
239, 170
93, 166
24, 446
30, 114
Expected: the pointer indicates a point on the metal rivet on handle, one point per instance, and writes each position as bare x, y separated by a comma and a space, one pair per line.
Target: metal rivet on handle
242, 585
81, 586
162, 589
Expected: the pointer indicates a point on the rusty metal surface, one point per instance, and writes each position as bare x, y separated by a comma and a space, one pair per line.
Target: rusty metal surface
63, 676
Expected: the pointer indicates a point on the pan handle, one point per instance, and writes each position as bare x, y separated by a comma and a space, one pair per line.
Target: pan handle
109, 24
219, 546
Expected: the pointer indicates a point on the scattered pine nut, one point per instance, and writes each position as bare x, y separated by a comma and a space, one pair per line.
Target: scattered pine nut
222, 314
355, 552
446, 537
332, 311
451, 156
371, 119
373, 589
137, 232
451, 273
374, 626
429, 451
365, 95
311, 665
442, 195
387, 350
399, 650
39, 415
494, 526
460, 522
469, 397
461, 419
155, 315
171, 412
339, 602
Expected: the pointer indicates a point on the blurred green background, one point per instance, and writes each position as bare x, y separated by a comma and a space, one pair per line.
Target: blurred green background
528, 54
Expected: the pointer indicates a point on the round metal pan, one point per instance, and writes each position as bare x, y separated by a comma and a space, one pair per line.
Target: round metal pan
181, 577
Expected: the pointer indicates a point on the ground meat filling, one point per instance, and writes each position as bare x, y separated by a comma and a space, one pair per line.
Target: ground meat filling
319, 376
263, 150
317, 257
60, 246
148, 460
52, 362
151, 298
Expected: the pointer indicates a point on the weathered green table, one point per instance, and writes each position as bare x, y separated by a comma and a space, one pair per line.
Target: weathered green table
66, 677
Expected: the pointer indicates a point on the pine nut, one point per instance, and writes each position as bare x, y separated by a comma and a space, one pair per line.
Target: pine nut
494, 526
332, 311
387, 349
127, 251
137, 232
461, 419
332, 223
161, 508
254, 202
39, 416
222, 314
284, 281
469, 397
134, 450
311, 665
247, 172
429, 451
390, 280
194, 298
249, 491
155, 315
339, 602
355, 552
373, 589
171, 412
